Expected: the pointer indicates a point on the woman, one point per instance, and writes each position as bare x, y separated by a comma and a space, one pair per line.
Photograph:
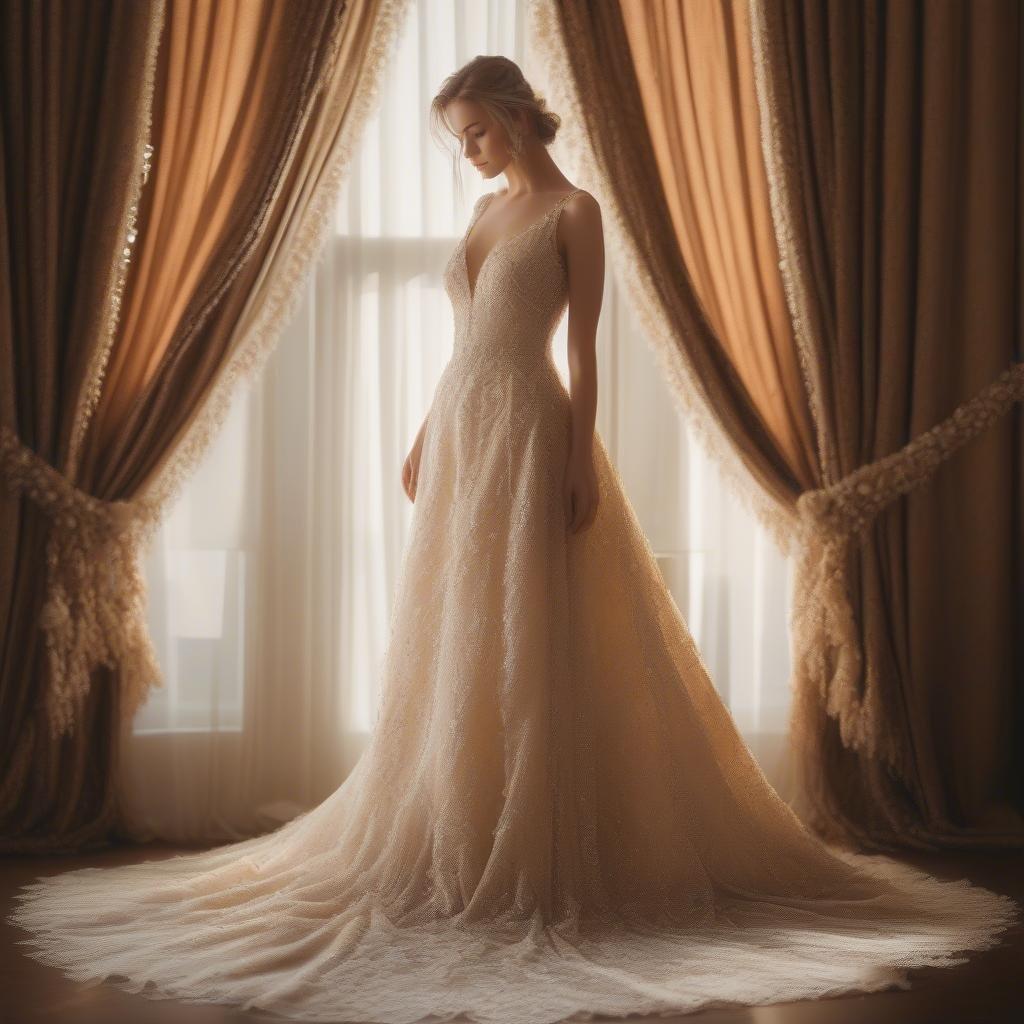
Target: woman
555, 814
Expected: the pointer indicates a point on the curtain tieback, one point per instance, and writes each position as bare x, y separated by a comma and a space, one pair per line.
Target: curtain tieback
94, 609
827, 646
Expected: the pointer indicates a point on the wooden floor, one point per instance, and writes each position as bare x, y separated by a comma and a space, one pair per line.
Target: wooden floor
988, 988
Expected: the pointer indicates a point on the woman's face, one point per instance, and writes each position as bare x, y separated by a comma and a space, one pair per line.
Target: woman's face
483, 140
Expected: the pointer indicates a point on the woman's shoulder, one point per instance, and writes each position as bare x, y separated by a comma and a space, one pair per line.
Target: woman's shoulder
582, 197
581, 205
483, 199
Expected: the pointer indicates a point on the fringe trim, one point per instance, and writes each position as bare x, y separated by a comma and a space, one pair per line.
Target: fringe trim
92, 383
95, 607
827, 648
777, 135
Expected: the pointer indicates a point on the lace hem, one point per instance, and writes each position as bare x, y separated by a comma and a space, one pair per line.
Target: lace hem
330, 963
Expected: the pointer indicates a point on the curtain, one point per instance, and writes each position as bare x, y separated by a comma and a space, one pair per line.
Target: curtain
906, 285
669, 142
702, 116
76, 83
255, 111
271, 579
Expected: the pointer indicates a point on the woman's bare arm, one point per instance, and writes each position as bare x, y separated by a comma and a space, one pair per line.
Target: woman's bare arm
581, 241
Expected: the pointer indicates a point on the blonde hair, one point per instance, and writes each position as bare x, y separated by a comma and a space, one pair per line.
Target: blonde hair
498, 85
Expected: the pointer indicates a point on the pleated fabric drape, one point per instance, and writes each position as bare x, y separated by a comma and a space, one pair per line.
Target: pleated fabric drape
894, 137
590, 73
255, 111
75, 90
828, 410
696, 83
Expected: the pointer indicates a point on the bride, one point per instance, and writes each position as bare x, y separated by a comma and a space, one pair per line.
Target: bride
555, 815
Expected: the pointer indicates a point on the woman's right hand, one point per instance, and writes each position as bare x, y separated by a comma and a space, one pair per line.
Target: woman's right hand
411, 468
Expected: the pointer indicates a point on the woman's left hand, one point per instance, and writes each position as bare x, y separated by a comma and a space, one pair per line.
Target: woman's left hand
580, 493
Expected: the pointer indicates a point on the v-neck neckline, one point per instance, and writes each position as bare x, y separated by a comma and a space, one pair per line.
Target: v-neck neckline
471, 288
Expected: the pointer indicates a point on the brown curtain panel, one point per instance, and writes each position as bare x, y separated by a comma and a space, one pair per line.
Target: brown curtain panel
74, 93
898, 145
256, 110
830, 264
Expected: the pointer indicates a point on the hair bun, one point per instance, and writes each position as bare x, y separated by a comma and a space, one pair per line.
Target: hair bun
499, 85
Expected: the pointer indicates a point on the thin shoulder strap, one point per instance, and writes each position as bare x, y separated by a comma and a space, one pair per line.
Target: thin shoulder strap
550, 217
555, 214
478, 208
556, 211
561, 202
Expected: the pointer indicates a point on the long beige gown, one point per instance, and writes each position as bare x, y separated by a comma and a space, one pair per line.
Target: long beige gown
555, 815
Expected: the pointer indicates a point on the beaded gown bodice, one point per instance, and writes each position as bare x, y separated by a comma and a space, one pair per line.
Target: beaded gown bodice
554, 815
509, 315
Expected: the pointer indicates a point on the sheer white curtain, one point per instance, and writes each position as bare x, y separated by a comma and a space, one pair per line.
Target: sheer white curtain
270, 584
